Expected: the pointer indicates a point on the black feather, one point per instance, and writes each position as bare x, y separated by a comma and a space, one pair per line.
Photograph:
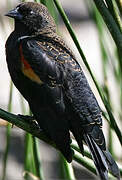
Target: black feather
102, 159
98, 157
112, 166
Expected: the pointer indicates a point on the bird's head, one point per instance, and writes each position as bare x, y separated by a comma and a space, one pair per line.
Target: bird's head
33, 17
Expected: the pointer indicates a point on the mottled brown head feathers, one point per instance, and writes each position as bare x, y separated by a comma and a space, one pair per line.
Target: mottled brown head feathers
35, 17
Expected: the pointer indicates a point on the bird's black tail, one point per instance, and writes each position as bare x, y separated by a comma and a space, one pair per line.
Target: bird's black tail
102, 159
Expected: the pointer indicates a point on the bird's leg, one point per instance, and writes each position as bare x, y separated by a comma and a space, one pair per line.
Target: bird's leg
30, 119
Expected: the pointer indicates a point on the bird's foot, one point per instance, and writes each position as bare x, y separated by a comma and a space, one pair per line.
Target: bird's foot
31, 120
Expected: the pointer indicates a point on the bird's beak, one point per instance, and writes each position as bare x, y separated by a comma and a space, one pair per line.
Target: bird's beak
14, 13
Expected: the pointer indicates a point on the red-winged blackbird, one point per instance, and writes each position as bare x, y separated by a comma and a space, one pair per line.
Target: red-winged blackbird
46, 73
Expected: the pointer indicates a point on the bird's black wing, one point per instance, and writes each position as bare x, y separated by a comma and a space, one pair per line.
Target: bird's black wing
39, 67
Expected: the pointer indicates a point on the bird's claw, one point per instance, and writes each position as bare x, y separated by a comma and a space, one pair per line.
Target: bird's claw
30, 119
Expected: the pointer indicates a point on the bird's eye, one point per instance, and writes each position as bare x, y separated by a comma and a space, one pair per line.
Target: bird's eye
17, 8
31, 12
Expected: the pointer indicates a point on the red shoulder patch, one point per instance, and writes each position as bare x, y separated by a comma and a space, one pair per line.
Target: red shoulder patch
24, 61
27, 69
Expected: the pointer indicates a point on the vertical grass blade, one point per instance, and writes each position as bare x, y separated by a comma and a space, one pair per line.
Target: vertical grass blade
103, 47
112, 26
37, 159
8, 134
67, 171
112, 6
110, 22
119, 4
29, 165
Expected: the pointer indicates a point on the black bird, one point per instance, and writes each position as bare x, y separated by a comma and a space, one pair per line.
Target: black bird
47, 74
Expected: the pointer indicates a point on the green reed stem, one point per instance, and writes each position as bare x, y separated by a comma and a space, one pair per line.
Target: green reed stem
8, 134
